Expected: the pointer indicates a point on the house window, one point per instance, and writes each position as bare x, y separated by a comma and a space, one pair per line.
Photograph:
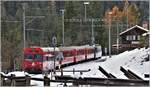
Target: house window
127, 37
133, 37
130, 37
138, 37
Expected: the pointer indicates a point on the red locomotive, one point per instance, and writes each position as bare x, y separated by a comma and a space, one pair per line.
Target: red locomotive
42, 58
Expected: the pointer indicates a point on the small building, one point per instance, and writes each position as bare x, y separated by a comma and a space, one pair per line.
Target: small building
131, 37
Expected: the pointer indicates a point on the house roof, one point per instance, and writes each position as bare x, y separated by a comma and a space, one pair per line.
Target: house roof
136, 26
147, 33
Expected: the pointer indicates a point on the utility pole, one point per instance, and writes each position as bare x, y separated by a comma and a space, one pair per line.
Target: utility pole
149, 32
24, 31
127, 17
63, 37
0, 38
117, 38
54, 42
85, 3
149, 37
126, 9
110, 13
109, 41
92, 38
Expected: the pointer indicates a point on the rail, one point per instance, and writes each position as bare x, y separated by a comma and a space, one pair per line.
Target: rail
108, 75
129, 74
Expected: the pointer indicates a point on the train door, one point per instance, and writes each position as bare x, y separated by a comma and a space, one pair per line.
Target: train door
98, 51
48, 62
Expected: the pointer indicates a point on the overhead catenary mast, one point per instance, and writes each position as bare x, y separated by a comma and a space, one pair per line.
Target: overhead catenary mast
125, 10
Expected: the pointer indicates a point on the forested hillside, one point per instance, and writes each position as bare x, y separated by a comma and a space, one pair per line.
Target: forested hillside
44, 20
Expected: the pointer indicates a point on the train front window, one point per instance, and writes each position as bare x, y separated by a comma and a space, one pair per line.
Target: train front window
29, 56
38, 57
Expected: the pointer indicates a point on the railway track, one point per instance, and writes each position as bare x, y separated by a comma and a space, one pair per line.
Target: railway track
129, 74
104, 81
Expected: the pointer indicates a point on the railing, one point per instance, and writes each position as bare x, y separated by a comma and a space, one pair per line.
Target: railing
12, 80
73, 71
111, 80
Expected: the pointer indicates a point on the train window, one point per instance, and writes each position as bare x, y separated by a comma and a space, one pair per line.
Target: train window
67, 53
29, 56
91, 51
98, 49
51, 59
80, 52
38, 57
48, 59
72, 53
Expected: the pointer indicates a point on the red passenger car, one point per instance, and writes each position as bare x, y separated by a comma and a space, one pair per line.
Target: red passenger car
42, 58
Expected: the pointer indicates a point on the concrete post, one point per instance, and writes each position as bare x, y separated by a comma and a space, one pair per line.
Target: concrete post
27, 80
13, 82
46, 81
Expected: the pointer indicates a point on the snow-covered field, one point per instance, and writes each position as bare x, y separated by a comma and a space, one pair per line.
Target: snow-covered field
133, 60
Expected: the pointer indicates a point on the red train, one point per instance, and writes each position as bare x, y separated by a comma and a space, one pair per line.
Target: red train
42, 58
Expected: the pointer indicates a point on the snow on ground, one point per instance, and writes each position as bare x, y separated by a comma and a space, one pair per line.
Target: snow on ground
40, 83
93, 65
129, 60
17, 73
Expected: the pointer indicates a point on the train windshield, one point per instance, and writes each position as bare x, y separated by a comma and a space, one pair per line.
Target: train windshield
29, 56
38, 57
48, 57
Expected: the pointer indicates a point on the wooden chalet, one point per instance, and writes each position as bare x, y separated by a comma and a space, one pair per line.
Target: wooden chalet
132, 35
130, 38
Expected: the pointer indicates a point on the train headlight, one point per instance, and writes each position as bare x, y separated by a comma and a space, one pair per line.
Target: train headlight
33, 63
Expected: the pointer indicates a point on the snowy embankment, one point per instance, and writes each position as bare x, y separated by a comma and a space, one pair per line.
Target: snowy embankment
134, 60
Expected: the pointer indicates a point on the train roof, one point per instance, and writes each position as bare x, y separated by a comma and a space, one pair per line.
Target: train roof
75, 47
48, 49
44, 49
